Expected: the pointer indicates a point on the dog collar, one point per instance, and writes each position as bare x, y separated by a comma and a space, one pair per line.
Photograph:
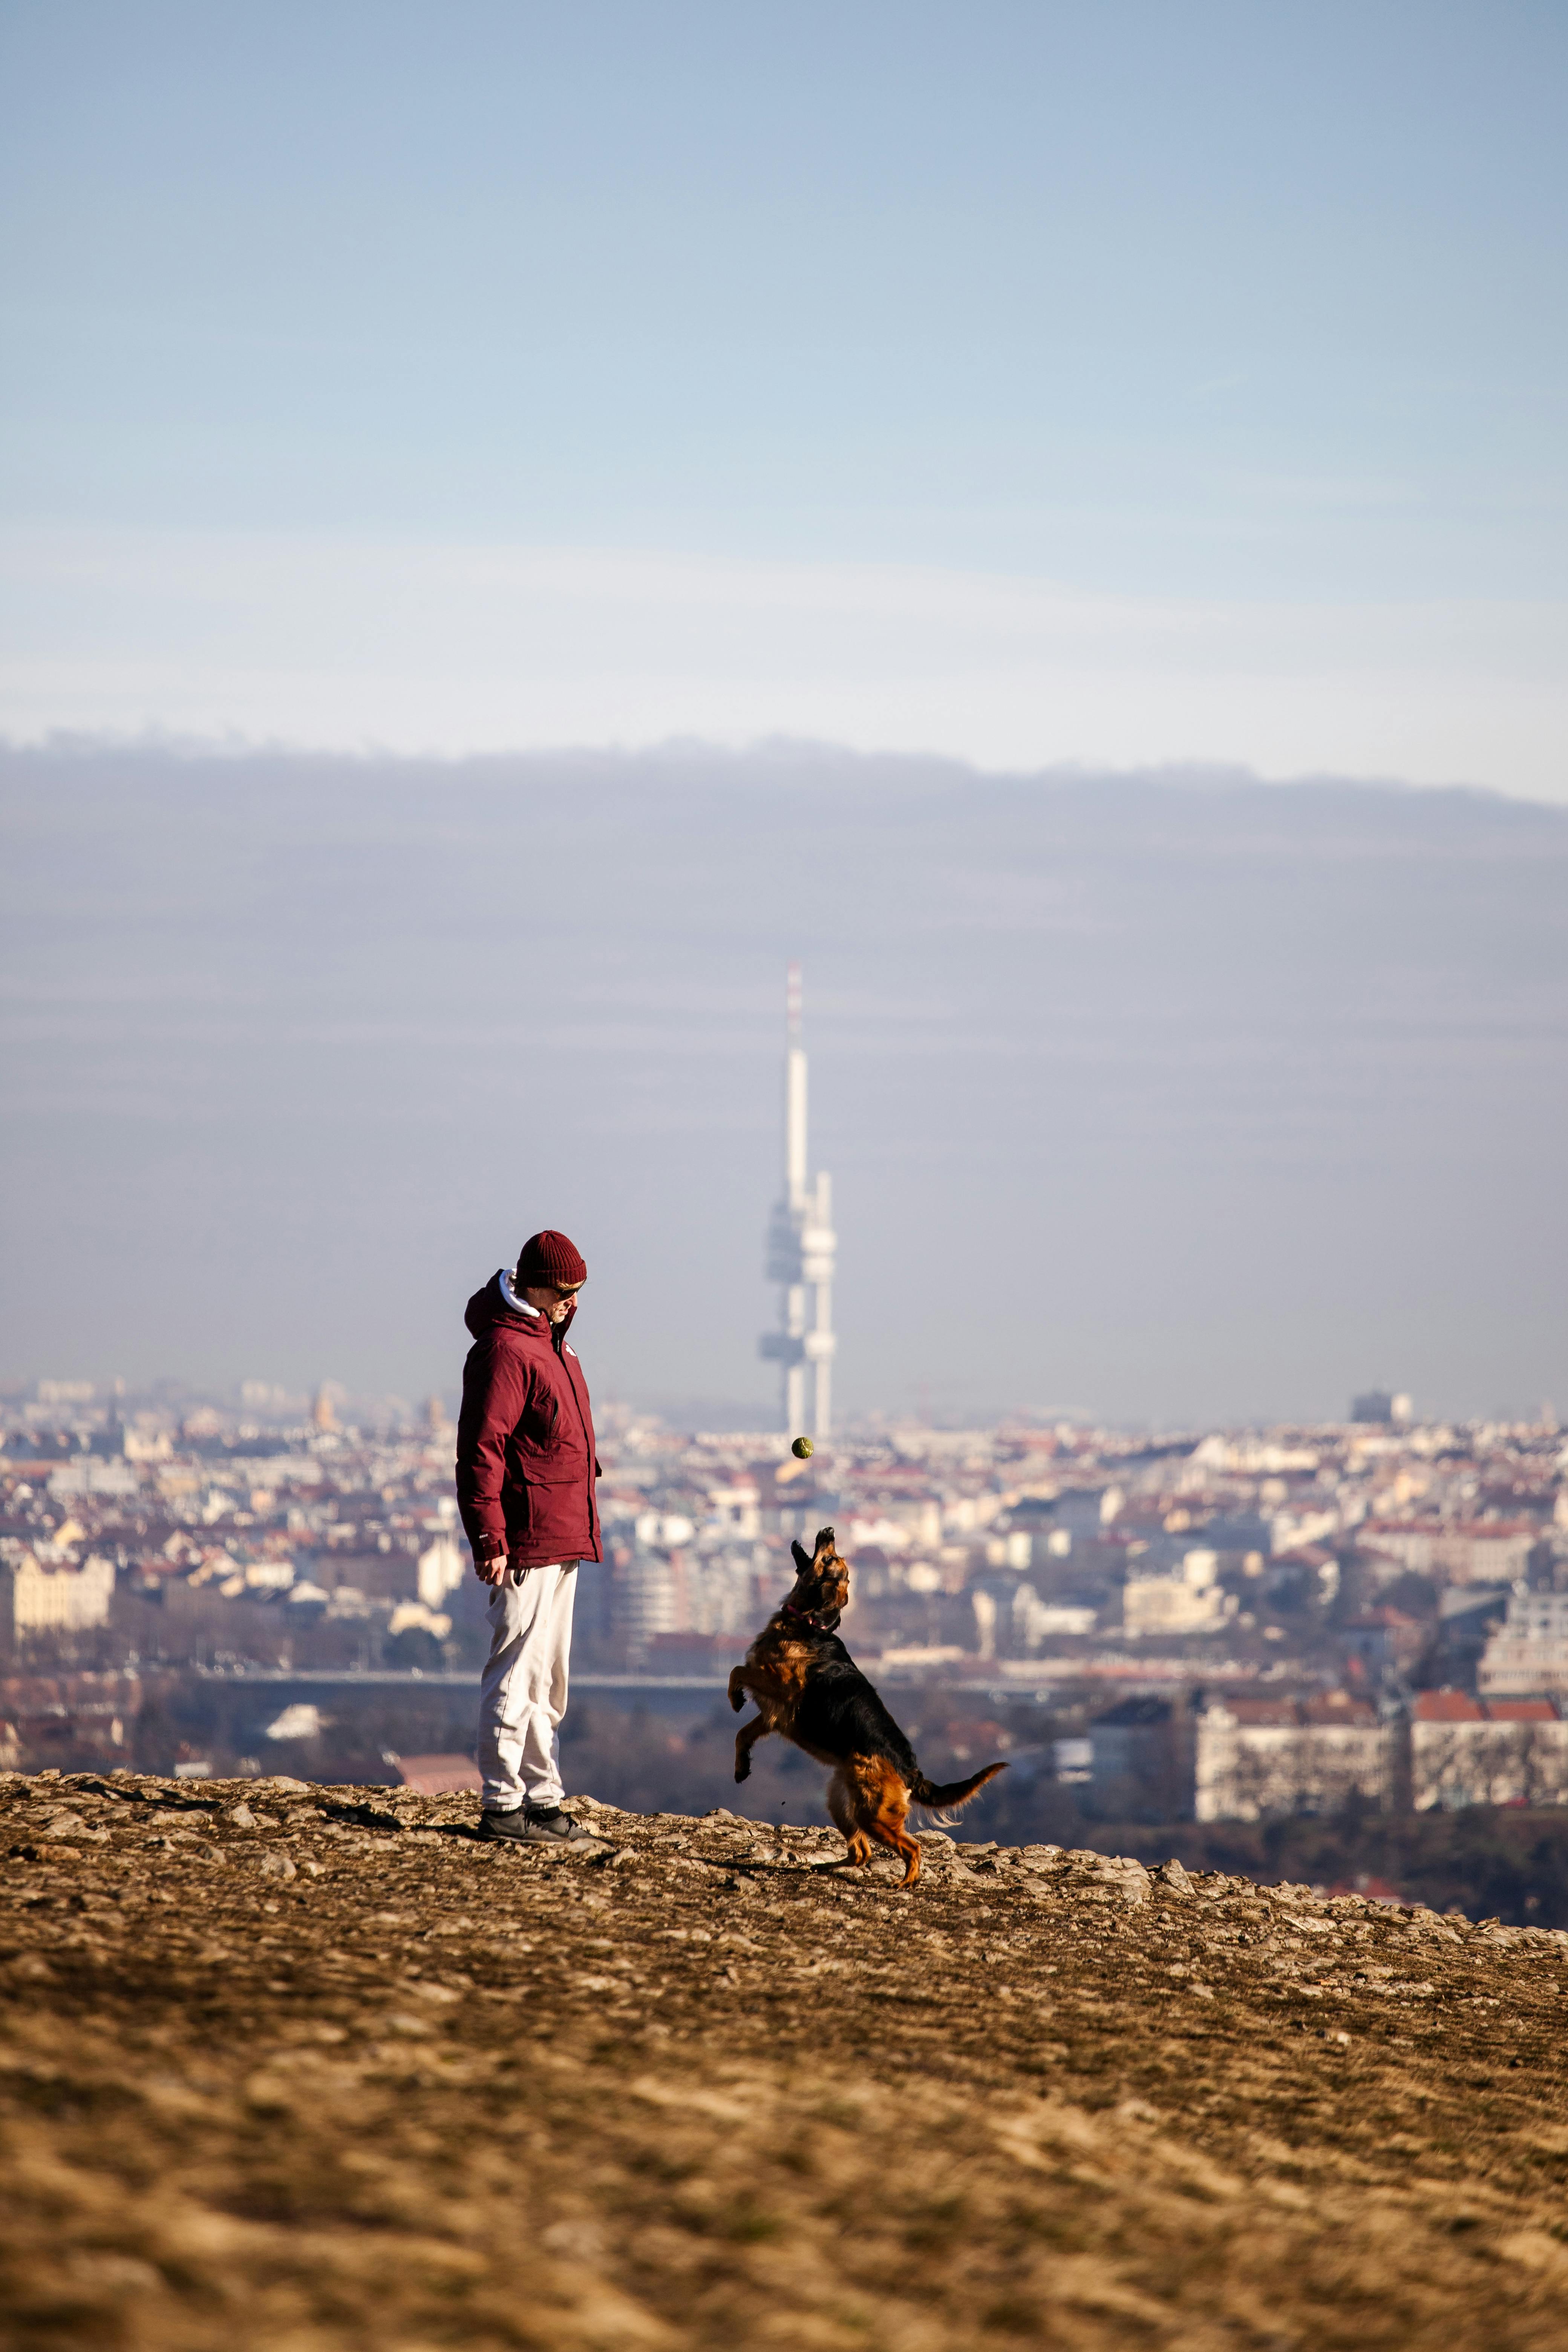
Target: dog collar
788, 1608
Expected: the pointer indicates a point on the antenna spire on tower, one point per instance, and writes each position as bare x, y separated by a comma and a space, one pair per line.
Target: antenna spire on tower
800, 1250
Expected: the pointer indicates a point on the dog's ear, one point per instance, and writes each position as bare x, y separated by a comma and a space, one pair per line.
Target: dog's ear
802, 1557
825, 1542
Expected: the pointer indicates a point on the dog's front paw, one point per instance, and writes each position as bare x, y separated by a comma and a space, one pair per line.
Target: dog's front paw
742, 1767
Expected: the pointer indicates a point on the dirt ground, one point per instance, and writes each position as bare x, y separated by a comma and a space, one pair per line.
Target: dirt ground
300, 2068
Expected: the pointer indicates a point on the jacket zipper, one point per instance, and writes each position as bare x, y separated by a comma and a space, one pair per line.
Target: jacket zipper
583, 1424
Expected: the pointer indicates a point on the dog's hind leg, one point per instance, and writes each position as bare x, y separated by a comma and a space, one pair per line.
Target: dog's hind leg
887, 1824
746, 1739
910, 1848
841, 1805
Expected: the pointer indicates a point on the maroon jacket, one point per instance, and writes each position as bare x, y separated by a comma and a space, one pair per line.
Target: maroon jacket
526, 1463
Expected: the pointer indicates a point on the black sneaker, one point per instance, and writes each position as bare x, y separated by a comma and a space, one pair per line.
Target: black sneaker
531, 1825
555, 1824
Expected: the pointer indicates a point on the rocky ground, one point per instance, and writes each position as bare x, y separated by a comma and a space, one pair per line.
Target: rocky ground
304, 2068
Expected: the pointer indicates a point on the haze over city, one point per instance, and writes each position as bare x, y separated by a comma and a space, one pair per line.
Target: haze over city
877, 489
1175, 1099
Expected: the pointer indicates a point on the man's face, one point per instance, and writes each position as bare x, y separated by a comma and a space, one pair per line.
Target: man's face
552, 1298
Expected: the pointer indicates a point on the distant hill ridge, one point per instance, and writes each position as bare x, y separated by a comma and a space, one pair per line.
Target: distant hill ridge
1157, 1037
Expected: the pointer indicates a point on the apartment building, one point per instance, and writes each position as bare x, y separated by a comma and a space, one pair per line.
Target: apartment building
1481, 1551
1190, 1601
1527, 1657
1474, 1751
36, 1598
1257, 1756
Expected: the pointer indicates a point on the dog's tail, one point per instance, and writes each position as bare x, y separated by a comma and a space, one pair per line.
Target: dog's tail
955, 1793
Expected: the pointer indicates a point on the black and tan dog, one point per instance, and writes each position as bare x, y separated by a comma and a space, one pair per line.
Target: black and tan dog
809, 1689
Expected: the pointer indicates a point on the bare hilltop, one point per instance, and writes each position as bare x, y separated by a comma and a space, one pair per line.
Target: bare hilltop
290, 2068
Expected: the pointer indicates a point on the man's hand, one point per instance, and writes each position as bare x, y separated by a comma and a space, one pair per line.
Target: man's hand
490, 1569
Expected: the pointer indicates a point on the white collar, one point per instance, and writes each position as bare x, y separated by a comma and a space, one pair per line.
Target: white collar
509, 1298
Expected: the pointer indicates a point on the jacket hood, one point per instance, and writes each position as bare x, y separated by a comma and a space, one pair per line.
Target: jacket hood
488, 1307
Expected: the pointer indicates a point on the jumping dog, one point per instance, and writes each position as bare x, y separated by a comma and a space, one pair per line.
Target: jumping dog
808, 1688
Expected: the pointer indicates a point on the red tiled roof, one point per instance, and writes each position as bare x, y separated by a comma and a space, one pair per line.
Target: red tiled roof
1448, 1707
1521, 1710
1337, 1706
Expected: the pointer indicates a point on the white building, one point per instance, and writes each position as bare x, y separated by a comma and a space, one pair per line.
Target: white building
801, 1249
646, 1601
1290, 1530
441, 1569
38, 1600
1500, 1751
1252, 1457
1481, 1551
86, 1475
1190, 1601
735, 1510
1528, 1654
300, 1721
1252, 1756
685, 1590
1036, 1620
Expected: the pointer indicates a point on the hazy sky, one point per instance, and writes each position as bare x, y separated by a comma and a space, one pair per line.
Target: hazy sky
1125, 385
1119, 383
1181, 1098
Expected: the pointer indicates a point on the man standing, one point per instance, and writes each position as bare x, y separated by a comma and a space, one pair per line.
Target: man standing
526, 1467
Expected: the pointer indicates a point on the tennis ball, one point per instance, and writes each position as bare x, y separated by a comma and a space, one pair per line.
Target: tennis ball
803, 1449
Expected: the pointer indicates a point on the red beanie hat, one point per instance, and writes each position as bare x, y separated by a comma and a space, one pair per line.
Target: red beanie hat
550, 1257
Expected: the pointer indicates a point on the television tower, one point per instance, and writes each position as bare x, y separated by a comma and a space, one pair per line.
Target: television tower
801, 1245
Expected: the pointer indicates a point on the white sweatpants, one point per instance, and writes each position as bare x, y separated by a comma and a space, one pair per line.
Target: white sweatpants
523, 1696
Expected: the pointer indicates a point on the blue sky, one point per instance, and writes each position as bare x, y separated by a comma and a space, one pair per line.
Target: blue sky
1024, 383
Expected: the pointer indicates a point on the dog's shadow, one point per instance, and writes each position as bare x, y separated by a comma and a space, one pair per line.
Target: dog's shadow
840, 1867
